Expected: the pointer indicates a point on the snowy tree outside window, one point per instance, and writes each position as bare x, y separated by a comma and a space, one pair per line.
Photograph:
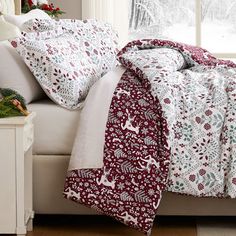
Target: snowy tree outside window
210, 24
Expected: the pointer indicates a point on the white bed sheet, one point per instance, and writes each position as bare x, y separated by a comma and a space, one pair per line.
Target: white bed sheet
89, 142
55, 128
58, 131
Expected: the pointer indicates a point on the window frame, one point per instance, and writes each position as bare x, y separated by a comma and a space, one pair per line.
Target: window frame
198, 33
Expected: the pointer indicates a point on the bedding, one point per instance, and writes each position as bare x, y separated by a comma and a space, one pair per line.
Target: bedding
57, 138
14, 74
59, 64
40, 25
68, 62
173, 101
54, 128
198, 105
93, 118
98, 37
19, 20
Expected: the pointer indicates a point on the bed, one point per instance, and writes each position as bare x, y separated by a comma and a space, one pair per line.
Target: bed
52, 150
50, 169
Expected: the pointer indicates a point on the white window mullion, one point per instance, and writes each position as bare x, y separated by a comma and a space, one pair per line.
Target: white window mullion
225, 55
198, 23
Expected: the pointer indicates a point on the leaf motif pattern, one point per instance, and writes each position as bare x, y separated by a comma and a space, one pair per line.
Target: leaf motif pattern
197, 94
128, 167
121, 188
126, 197
86, 174
140, 196
67, 56
158, 76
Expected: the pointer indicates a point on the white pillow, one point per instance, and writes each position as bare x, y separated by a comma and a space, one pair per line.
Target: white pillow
19, 20
67, 61
15, 74
60, 64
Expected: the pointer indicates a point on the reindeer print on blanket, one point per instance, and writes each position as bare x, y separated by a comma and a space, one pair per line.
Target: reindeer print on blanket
104, 180
149, 162
129, 124
136, 160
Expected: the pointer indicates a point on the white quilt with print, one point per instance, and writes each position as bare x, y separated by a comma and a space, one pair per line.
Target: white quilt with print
198, 97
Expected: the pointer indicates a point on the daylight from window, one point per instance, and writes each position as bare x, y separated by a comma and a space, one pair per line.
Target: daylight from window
176, 20
219, 25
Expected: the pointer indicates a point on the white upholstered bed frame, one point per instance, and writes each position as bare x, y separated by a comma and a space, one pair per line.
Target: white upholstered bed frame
49, 174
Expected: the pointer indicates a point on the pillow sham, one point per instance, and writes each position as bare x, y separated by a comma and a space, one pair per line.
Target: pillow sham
19, 20
15, 74
96, 33
41, 25
61, 64
95, 52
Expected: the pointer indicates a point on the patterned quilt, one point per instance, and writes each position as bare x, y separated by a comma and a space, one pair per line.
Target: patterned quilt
171, 126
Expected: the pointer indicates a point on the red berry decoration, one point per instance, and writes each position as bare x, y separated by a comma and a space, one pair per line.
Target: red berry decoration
208, 112
202, 172
200, 187
234, 181
192, 178
198, 119
30, 2
167, 100
48, 8
207, 126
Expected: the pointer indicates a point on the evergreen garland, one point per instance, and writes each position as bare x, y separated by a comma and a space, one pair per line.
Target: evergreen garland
28, 5
8, 92
7, 108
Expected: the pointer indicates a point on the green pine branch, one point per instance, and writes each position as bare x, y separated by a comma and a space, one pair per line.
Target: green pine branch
7, 109
6, 92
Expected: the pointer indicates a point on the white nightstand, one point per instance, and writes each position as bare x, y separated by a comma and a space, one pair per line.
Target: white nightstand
16, 138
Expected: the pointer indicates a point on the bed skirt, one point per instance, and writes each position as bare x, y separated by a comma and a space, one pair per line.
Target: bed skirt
49, 173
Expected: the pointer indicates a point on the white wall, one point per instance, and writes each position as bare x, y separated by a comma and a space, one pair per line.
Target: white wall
73, 8
112, 11
121, 22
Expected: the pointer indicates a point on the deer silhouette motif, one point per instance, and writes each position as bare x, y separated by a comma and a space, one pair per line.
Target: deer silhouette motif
155, 205
149, 162
104, 180
128, 218
121, 91
71, 193
128, 124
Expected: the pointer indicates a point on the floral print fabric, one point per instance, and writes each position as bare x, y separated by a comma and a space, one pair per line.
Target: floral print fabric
170, 127
199, 105
68, 61
100, 35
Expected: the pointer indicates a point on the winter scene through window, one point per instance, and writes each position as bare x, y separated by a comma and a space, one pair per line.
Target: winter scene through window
207, 23
219, 25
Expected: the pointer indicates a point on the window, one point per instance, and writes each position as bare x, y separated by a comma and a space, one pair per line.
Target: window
210, 24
